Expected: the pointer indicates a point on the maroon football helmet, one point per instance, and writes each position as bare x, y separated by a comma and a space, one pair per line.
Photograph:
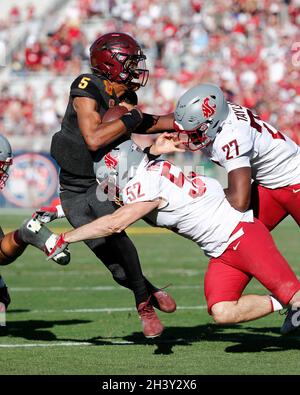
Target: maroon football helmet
119, 58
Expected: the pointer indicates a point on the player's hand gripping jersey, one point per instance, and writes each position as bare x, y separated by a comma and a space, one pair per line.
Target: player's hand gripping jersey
247, 141
195, 207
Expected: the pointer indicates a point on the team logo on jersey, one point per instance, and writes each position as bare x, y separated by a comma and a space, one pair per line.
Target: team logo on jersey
32, 182
207, 109
110, 161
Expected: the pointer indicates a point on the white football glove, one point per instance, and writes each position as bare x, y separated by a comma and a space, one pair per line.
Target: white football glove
56, 248
49, 213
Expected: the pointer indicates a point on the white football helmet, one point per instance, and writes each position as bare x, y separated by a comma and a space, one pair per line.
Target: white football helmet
117, 168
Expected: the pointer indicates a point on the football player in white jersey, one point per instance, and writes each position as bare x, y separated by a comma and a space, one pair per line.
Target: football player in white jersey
239, 246
248, 148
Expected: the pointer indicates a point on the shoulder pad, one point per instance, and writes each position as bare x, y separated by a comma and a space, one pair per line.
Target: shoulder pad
92, 86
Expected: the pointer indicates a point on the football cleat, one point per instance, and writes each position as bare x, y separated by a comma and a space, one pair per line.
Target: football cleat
163, 301
152, 327
292, 321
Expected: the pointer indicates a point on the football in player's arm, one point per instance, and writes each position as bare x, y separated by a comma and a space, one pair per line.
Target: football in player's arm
98, 134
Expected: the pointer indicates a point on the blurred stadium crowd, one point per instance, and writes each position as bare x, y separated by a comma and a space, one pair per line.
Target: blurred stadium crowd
243, 45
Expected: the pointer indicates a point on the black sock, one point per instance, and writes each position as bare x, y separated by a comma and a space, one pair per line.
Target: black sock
140, 291
129, 260
120, 256
2, 282
151, 288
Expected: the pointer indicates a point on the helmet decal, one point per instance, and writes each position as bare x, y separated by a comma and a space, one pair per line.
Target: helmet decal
117, 167
199, 115
110, 161
207, 109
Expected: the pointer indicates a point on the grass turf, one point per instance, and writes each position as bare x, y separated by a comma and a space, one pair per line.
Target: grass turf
76, 320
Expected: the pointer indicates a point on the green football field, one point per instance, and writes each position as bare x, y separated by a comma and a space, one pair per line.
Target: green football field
76, 320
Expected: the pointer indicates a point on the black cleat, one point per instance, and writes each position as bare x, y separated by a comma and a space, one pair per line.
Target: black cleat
292, 321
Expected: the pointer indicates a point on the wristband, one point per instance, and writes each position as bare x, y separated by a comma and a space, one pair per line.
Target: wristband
132, 119
150, 156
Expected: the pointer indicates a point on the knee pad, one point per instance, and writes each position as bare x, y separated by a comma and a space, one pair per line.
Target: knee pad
10, 248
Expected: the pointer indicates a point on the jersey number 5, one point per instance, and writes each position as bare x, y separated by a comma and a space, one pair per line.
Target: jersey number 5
227, 148
84, 82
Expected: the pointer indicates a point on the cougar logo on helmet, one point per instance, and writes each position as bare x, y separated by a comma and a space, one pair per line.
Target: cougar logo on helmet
110, 161
207, 109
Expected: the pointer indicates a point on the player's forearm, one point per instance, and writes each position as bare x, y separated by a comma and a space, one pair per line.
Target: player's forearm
104, 226
98, 228
95, 133
101, 227
101, 135
112, 223
155, 123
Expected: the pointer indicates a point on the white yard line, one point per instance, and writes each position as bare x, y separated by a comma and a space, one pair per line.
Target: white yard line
57, 344
66, 272
106, 288
105, 342
89, 289
105, 310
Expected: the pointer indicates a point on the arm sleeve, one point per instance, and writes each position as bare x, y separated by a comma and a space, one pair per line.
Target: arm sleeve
144, 187
147, 123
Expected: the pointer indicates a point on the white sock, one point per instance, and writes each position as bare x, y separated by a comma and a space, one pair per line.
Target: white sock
276, 305
2, 283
